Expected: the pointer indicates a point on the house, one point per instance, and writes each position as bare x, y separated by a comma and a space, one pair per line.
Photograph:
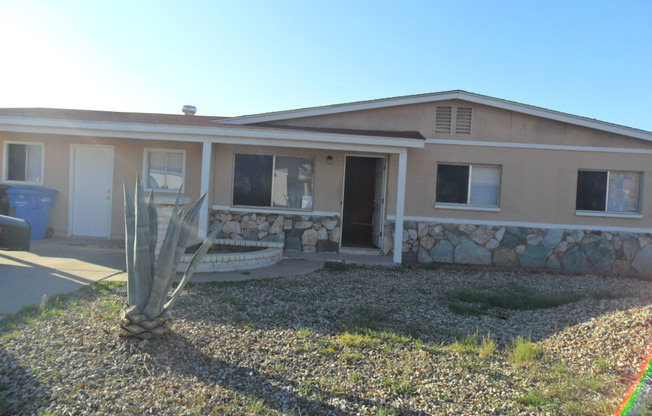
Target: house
452, 177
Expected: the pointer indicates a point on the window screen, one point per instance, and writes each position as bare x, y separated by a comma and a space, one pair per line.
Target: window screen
293, 178
623, 191
485, 185
164, 169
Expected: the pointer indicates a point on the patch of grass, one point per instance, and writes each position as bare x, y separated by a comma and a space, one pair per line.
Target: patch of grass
466, 345
330, 349
339, 266
5, 407
352, 356
510, 297
11, 335
106, 286
393, 337
535, 399
487, 347
606, 295
303, 333
524, 352
355, 376
257, 407
348, 339
603, 364
470, 365
57, 305
384, 411
400, 385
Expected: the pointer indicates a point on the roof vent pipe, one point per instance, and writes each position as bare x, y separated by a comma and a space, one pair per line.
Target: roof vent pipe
189, 110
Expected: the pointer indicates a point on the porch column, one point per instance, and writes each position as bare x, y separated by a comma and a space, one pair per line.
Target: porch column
206, 169
400, 206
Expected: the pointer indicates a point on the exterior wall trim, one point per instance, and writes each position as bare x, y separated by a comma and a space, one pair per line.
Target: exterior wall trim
275, 211
539, 146
524, 224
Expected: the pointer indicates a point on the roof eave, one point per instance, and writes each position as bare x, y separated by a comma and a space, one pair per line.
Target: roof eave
214, 134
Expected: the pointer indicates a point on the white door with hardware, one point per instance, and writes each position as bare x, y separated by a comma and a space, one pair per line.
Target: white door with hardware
91, 193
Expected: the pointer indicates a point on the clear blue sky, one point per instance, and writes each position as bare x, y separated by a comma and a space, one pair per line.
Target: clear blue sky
590, 58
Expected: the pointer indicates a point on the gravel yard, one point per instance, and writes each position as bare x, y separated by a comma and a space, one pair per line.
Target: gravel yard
359, 341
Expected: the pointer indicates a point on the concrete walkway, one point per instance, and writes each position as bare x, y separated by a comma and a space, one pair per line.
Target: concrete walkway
60, 266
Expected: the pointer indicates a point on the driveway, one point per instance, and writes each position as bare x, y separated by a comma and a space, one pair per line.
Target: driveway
53, 267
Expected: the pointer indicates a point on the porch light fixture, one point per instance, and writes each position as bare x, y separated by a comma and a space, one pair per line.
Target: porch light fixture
329, 159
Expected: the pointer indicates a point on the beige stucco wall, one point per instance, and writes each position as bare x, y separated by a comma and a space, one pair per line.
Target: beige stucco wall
537, 186
128, 163
488, 124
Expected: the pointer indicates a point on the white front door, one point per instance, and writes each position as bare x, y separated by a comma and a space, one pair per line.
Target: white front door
91, 190
379, 203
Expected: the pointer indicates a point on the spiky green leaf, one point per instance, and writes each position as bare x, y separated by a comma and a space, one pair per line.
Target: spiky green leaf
142, 269
130, 230
196, 259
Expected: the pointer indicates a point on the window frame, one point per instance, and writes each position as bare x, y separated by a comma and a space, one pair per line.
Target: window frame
5, 163
606, 212
146, 153
271, 206
468, 205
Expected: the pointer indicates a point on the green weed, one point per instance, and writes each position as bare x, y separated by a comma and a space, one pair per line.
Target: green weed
510, 297
524, 352
339, 266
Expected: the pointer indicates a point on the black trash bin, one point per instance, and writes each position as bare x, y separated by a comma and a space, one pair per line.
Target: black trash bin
4, 199
15, 233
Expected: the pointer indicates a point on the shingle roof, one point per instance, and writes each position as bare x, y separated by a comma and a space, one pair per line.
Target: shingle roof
92, 115
183, 120
381, 133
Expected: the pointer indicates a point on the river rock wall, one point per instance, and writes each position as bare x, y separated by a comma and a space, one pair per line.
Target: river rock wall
299, 232
540, 248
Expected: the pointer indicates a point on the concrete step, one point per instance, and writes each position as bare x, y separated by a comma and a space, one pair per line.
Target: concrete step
361, 251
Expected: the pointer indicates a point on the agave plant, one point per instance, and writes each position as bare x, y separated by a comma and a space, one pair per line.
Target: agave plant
149, 278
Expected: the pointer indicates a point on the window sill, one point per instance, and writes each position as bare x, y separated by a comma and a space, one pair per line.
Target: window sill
163, 190
466, 207
265, 210
170, 200
607, 214
30, 183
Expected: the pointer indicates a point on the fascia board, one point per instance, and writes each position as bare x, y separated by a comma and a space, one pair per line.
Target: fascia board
256, 136
339, 108
436, 97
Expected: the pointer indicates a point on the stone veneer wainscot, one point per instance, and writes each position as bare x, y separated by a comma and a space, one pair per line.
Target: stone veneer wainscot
540, 248
307, 233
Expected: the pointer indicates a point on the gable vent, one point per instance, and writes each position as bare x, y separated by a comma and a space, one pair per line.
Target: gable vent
443, 119
463, 120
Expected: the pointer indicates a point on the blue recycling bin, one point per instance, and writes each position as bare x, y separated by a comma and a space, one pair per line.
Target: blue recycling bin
32, 204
